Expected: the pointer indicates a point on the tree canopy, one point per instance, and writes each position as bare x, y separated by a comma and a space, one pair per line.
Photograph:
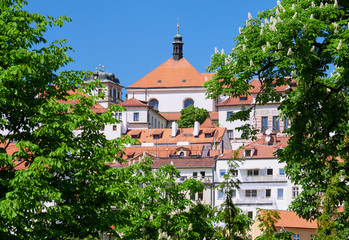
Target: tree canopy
190, 115
56, 183
305, 42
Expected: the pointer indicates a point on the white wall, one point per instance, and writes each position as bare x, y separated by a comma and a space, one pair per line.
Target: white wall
259, 183
172, 99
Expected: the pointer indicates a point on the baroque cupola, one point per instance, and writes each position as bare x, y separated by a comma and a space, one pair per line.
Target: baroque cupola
177, 46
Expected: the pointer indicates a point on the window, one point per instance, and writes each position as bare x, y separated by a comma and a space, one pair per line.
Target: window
118, 116
235, 173
264, 123
253, 172
295, 191
269, 171
281, 172
136, 116
202, 174
286, 123
100, 91
296, 236
250, 214
159, 81
157, 137
280, 193
102, 128
251, 193
222, 172
115, 128
220, 194
268, 193
192, 196
243, 98
154, 103
208, 135
234, 193
200, 195
230, 133
181, 154
188, 102
195, 174
229, 114
276, 123
110, 92
248, 153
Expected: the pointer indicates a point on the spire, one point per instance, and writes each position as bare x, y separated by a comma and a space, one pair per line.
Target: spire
177, 46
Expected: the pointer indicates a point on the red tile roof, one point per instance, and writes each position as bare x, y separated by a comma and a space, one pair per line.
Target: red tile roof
172, 73
231, 101
262, 149
183, 162
133, 102
289, 219
208, 124
183, 135
175, 116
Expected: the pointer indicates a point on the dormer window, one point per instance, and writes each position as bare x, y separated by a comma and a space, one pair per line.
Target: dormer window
136, 134
249, 152
243, 98
184, 80
292, 85
159, 81
157, 134
208, 132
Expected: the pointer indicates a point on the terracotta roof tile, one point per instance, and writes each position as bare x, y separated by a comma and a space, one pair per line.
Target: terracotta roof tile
262, 149
208, 124
172, 73
231, 101
184, 135
289, 219
175, 116
133, 102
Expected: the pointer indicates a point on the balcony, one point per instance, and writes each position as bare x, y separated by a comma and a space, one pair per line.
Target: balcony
262, 179
206, 179
254, 201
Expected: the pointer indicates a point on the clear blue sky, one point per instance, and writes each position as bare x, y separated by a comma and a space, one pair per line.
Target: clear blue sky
133, 37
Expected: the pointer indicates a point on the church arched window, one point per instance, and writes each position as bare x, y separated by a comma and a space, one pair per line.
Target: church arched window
188, 102
154, 103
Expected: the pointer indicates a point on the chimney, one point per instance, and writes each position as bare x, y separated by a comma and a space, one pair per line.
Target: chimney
174, 129
196, 129
124, 123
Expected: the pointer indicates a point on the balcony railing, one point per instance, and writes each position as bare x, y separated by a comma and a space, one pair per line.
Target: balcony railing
206, 179
254, 200
264, 178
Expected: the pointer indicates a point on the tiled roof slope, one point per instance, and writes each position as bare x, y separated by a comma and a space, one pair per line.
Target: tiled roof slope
183, 162
183, 135
261, 147
133, 102
289, 219
175, 116
172, 73
208, 124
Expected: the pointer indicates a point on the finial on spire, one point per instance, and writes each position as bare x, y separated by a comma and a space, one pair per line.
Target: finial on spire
177, 44
103, 67
178, 25
99, 67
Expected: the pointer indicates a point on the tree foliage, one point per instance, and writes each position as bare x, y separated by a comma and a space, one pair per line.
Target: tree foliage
190, 115
231, 222
67, 190
306, 42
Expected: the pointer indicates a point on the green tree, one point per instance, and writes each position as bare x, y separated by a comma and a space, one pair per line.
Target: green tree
305, 42
157, 207
190, 115
230, 220
67, 191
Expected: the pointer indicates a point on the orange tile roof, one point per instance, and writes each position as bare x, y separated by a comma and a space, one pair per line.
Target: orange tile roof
175, 116
289, 219
231, 101
257, 86
208, 124
163, 151
183, 162
183, 135
172, 73
133, 102
262, 149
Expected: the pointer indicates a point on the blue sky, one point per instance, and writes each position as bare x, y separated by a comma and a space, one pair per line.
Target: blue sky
133, 37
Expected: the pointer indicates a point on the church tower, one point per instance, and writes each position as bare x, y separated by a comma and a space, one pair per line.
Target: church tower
177, 46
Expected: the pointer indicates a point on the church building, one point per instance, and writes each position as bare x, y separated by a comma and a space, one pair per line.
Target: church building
174, 85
